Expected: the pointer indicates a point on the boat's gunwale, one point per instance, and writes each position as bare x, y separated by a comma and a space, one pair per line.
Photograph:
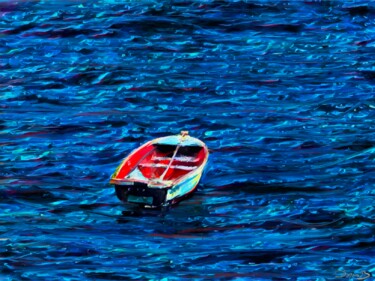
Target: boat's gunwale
184, 139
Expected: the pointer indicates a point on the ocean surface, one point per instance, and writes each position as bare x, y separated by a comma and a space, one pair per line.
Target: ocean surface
282, 93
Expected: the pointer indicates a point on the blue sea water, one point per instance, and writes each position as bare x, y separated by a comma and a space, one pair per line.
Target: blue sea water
282, 92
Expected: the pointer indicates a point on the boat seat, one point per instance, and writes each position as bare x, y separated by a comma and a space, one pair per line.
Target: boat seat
160, 158
179, 167
186, 159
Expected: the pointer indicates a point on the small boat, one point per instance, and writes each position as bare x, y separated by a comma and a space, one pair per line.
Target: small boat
162, 171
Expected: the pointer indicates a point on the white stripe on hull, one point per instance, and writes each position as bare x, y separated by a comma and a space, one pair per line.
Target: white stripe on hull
184, 187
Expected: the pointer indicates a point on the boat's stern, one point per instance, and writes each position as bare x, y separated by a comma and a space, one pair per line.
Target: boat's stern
144, 194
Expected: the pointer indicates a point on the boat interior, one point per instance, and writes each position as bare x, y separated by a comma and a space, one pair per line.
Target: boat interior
168, 162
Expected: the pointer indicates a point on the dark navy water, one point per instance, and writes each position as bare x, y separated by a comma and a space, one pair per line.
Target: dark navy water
282, 93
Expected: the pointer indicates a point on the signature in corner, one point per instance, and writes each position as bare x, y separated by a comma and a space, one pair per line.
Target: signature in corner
363, 276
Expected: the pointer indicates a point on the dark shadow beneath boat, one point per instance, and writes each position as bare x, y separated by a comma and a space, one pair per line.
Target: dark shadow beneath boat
142, 211
137, 211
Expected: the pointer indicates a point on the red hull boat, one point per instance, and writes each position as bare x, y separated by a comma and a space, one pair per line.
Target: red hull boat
162, 171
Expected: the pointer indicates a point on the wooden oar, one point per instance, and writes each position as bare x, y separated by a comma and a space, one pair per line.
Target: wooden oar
170, 163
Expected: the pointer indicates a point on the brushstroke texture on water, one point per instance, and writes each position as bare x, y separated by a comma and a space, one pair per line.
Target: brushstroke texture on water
282, 93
